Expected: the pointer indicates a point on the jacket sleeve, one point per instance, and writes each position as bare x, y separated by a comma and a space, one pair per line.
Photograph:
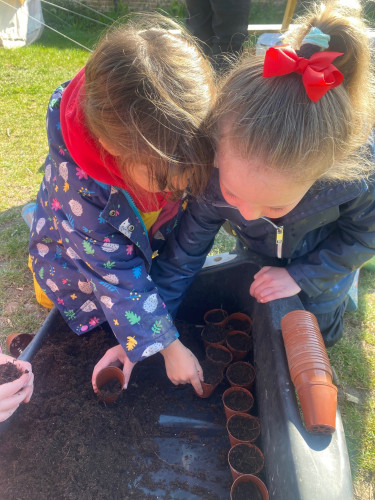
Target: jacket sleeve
345, 250
185, 252
115, 270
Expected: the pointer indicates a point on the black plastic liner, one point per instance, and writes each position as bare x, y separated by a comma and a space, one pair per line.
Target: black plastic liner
298, 465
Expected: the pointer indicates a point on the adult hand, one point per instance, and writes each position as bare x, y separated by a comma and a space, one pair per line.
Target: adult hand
272, 283
114, 356
12, 394
182, 366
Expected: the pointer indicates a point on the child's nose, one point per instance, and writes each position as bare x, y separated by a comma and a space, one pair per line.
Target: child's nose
249, 212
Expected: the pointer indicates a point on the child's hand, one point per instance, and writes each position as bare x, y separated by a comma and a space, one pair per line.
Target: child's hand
114, 356
182, 366
272, 283
19, 391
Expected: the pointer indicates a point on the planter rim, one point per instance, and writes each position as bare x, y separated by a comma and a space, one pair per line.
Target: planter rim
233, 439
250, 478
236, 473
229, 411
219, 323
106, 375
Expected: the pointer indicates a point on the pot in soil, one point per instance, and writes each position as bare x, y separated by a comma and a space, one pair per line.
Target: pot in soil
241, 374
110, 382
318, 404
9, 372
245, 459
17, 343
237, 400
248, 487
212, 376
239, 321
243, 428
239, 343
214, 335
219, 354
216, 317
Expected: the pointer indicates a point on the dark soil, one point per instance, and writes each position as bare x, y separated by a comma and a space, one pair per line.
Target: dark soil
242, 428
240, 373
239, 342
238, 324
214, 334
238, 401
9, 372
212, 372
247, 491
66, 444
246, 459
216, 317
218, 355
110, 388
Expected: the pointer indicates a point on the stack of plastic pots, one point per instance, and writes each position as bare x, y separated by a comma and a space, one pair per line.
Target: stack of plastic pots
310, 370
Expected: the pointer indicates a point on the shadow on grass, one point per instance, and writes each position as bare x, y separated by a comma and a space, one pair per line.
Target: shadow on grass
353, 364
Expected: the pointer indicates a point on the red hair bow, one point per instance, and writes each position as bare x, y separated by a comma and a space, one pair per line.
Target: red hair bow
318, 73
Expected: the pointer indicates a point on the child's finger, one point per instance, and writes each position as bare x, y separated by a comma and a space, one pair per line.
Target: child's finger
196, 383
262, 271
128, 368
10, 388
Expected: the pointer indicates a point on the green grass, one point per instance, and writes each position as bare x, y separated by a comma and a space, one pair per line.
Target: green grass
27, 78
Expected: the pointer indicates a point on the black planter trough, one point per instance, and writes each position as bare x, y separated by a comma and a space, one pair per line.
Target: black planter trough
298, 465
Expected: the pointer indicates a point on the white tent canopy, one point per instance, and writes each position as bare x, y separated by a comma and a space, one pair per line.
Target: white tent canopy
21, 22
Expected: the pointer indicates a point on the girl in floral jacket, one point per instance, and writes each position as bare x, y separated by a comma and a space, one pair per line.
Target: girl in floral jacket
124, 143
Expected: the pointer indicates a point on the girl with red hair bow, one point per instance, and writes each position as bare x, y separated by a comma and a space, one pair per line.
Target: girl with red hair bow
293, 180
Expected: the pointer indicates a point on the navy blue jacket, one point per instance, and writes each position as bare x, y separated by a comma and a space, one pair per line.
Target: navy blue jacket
321, 242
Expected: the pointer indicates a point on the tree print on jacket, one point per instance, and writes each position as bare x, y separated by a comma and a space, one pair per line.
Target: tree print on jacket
91, 254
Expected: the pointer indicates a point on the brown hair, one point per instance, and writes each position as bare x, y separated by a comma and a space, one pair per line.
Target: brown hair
273, 118
147, 89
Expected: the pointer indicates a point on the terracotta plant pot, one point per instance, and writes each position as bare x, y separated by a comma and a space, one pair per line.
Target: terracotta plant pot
237, 400
17, 343
310, 370
216, 317
243, 428
213, 335
318, 404
219, 354
110, 375
239, 343
212, 376
248, 487
245, 459
239, 321
241, 374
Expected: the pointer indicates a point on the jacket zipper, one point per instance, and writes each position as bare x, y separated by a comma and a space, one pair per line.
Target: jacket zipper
279, 237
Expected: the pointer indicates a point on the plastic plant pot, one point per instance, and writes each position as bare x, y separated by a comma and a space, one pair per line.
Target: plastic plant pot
219, 354
237, 400
241, 374
245, 459
213, 335
17, 343
106, 376
310, 371
248, 487
239, 343
318, 404
212, 376
239, 321
216, 317
243, 428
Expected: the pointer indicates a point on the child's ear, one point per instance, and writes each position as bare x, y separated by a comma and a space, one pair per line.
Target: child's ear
110, 149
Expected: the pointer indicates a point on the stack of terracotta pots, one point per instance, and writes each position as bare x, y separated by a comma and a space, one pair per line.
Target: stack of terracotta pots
310, 370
